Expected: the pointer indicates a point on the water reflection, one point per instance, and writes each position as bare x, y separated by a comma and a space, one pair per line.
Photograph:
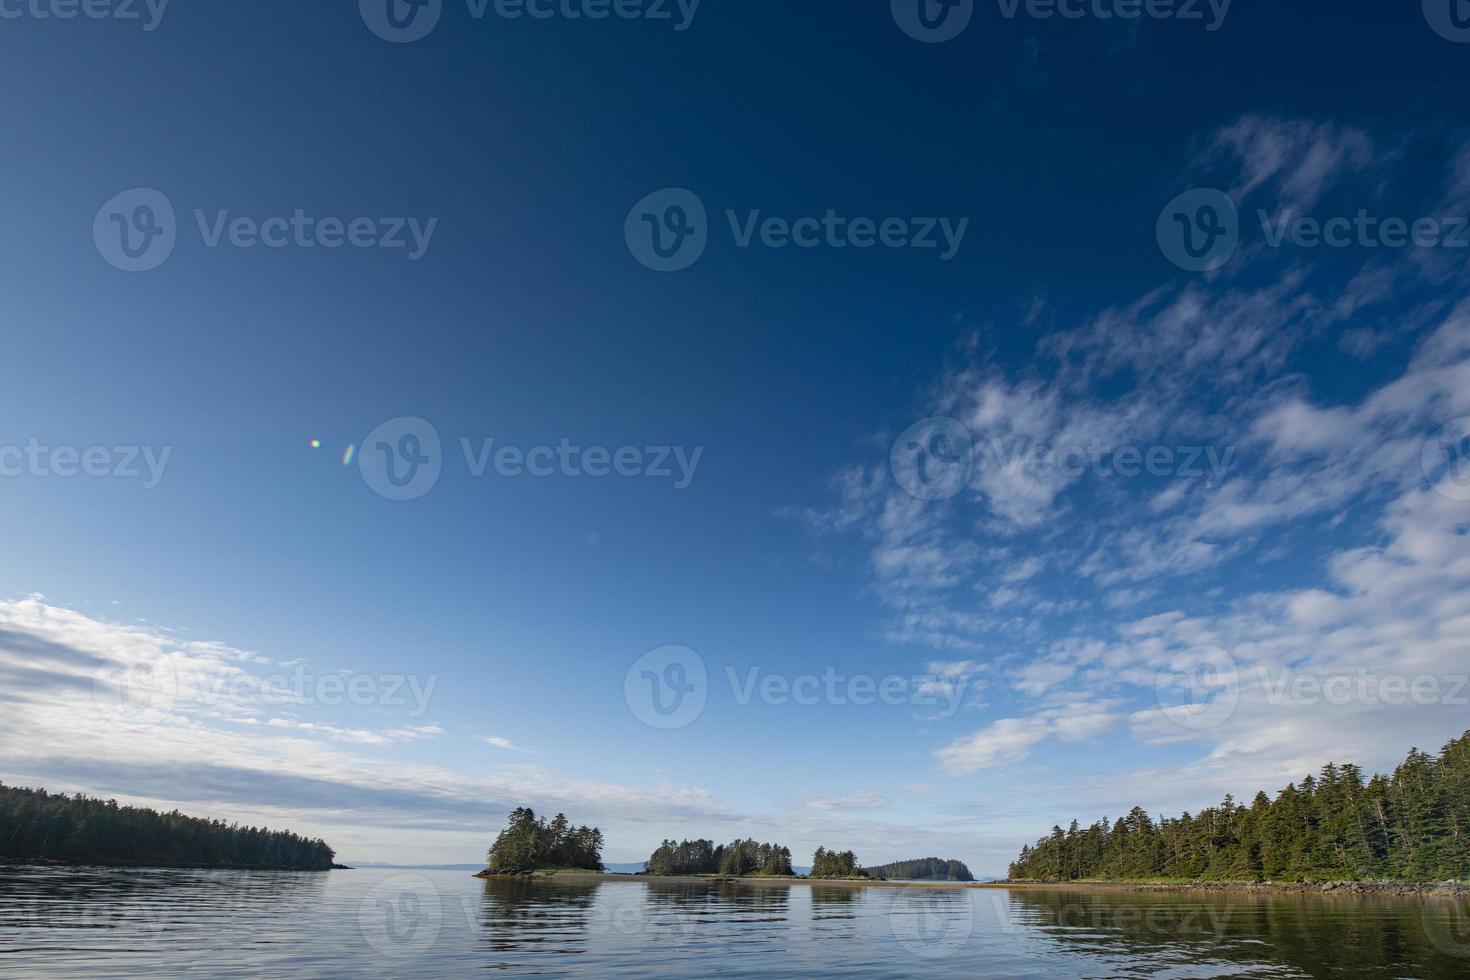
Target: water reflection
932, 923
833, 902
521, 915
836, 912
725, 898
41, 908
1260, 935
112, 923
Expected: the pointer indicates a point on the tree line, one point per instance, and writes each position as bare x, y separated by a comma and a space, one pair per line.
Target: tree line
836, 864
700, 857
748, 857
1411, 826
531, 844
923, 869
52, 827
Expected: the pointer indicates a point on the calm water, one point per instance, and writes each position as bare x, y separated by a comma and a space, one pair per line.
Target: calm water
95, 923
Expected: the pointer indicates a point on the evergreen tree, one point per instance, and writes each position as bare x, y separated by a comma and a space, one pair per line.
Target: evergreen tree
1411, 826
923, 869
699, 857
39, 826
836, 864
529, 843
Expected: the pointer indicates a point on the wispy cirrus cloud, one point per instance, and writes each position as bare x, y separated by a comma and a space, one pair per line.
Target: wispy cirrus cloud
498, 742
1319, 544
858, 800
1298, 158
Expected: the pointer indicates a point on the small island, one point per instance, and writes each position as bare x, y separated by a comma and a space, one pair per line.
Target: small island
37, 827
531, 845
923, 869
738, 859
837, 864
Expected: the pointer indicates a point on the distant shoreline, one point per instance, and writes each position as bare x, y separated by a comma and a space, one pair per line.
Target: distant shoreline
719, 879
53, 829
9, 862
1345, 888
1357, 889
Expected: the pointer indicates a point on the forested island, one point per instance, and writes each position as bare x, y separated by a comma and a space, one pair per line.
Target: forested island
37, 827
703, 857
747, 859
1412, 826
531, 844
923, 869
836, 864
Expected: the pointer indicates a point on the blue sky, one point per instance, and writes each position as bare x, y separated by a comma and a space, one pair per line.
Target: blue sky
1045, 606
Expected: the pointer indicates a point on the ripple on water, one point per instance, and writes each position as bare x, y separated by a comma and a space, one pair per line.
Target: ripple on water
97, 922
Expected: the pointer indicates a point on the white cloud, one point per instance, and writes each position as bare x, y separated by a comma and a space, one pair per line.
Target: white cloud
858, 800
1037, 678
1012, 739
497, 742
124, 710
1299, 159
955, 668
1024, 570
1316, 546
360, 736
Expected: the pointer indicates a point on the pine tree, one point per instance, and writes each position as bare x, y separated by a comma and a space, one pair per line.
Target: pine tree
529, 843
1413, 825
39, 826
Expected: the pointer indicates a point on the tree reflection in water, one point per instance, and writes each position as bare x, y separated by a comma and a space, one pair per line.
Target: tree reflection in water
932, 923
833, 902
835, 913
521, 915
525, 915
1316, 935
